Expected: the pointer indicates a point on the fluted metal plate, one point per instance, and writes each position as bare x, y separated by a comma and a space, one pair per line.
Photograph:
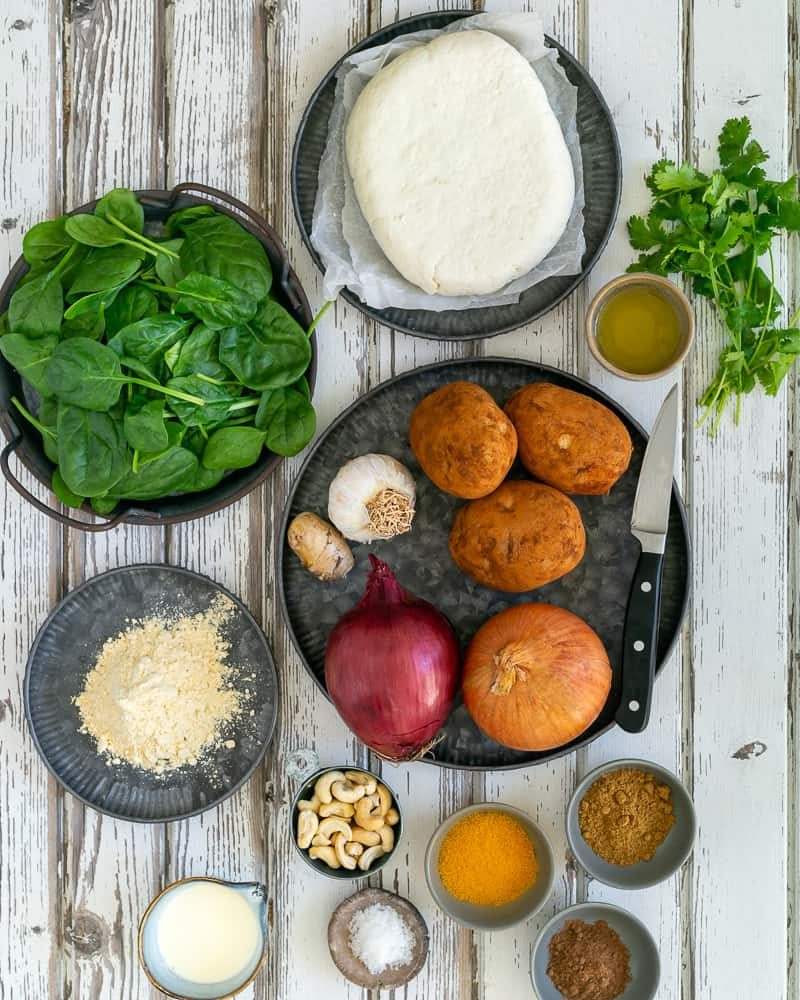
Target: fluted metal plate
65, 650
602, 174
597, 589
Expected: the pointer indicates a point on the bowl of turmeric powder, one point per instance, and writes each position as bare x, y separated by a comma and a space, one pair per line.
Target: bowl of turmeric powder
631, 824
489, 866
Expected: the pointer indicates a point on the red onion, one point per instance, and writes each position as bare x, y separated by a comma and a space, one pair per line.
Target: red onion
392, 668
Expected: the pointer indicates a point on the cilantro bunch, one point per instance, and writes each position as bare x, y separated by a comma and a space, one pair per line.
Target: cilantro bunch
718, 230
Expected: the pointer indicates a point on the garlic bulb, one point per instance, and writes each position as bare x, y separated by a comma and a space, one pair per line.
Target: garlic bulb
371, 497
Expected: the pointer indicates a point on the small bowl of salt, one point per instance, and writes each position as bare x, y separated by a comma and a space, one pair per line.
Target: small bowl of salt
378, 939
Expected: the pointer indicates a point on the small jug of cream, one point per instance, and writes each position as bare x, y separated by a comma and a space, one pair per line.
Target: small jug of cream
203, 938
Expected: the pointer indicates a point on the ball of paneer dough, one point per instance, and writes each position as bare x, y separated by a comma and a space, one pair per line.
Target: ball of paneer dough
569, 440
520, 537
463, 440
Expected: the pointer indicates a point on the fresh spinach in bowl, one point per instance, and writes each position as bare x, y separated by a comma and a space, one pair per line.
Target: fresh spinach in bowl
162, 362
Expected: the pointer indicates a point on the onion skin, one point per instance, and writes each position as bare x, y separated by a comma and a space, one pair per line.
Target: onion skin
392, 668
535, 677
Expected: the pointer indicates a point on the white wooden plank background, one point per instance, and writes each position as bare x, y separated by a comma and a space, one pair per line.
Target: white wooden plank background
95, 93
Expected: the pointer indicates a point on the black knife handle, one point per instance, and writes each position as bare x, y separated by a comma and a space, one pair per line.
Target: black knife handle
639, 644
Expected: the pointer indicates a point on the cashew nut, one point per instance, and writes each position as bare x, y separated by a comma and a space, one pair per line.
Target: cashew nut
368, 815
312, 804
343, 809
385, 797
307, 823
369, 838
322, 789
345, 792
386, 833
353, 848
339, 846
326, 854
369, 856
392, 817
334, 824
360, 778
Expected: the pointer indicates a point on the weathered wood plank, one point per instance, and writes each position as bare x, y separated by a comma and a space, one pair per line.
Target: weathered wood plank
645, 98
739, 493
113, 138
29, 545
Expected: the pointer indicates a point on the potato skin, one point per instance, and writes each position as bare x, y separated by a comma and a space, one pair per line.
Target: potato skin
463, 440
569, 440
522, 536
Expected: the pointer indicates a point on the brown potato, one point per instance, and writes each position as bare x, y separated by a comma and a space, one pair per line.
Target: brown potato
522, 536
569, 440
463, 440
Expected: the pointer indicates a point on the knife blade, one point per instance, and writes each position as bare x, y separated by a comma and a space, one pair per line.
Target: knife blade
649, 522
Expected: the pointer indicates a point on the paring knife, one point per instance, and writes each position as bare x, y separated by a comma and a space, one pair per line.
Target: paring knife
649, 526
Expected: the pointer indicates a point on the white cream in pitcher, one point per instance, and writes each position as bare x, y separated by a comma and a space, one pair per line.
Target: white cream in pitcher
207, 933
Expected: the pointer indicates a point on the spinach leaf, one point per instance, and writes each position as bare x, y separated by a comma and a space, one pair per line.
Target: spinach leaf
147, 339
30, 357
204, 479
220, 247
92, 455
288, 419
169, 269
218, 401
184, 216
139, 367
133, 303
200, 353
216, 302
122, 204
89, 324
64, 493
163, 476
171, 355
103, 505
144, 426
86, 374
233, 448
37, 307
104, 268
273, 351
46, 240
92, 303
92, 231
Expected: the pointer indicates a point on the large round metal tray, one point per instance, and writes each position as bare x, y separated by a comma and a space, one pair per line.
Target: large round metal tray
597, 589
602, 172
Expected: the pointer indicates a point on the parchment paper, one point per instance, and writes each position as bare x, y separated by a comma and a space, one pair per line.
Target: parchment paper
350, 253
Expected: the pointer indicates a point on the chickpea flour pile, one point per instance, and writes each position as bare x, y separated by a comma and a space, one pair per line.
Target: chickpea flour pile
161, 692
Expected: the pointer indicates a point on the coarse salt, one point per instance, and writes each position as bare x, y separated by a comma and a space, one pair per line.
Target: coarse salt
380, 938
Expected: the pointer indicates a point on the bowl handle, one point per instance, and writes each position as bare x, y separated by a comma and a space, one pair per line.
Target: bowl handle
64, 519
187, 187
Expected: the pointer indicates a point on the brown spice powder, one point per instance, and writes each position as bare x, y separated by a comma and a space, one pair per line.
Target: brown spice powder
625, 816
588, 961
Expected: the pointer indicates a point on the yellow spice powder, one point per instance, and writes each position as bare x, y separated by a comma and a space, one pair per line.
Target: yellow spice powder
487, 858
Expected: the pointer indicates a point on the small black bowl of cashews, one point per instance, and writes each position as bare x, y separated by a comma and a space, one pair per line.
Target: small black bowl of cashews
346, 822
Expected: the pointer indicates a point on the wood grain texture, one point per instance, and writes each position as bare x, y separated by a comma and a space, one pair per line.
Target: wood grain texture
113, 137
29, 879
737, 483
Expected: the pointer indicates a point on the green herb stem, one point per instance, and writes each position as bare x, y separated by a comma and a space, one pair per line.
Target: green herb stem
175, 393
32, 420
141, 239
319, 316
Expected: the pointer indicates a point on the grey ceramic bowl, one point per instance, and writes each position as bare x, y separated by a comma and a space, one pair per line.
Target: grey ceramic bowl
491, 918
675, 849
645, 965
342, 874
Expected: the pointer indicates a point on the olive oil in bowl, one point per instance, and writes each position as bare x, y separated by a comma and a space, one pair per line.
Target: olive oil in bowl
639, 326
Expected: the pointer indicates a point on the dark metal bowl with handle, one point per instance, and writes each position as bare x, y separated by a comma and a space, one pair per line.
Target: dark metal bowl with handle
24, 442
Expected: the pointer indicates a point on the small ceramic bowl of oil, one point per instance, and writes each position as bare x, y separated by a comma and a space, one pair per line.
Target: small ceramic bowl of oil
640, 326
203, 938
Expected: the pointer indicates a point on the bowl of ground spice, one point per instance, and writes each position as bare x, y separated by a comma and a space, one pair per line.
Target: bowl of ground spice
489, 866
631, 824
595, 951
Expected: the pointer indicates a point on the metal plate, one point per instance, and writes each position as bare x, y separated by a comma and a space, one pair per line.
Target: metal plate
597, 589
65, 650
602, 168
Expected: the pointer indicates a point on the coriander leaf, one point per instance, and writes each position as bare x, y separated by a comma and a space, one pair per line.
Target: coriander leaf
641, 234
732, 137
683, 178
